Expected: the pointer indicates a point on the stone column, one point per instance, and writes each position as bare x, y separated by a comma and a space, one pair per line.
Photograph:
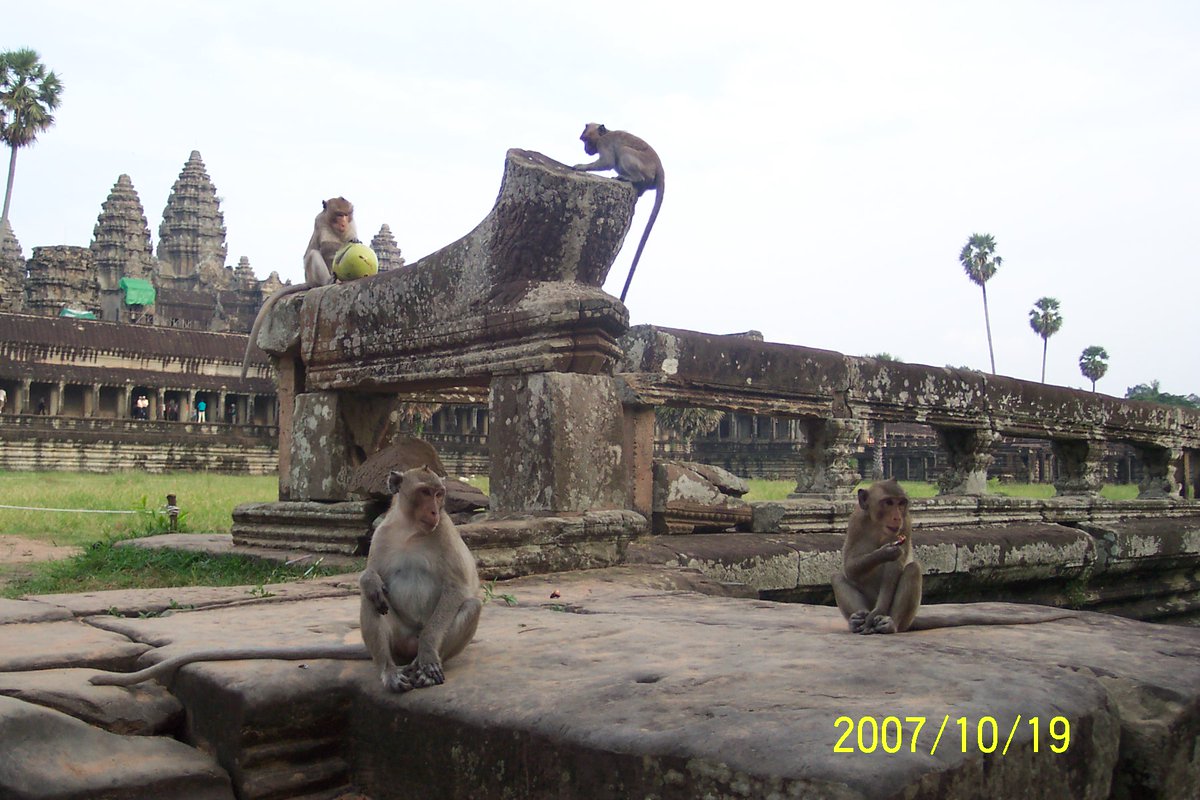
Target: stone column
57, 393
321, 449
91, 398
290, 383
970, 453
1158, 464
557, 443
125, 412
639, 453
825, 470
1079, 462
158, 402
23, 396
189, 410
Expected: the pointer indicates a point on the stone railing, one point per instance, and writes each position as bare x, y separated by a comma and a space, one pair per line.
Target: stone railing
835, 395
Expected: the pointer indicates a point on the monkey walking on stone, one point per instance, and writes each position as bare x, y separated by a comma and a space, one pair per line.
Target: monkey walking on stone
419, 603
634, 161
879, 587
332, 228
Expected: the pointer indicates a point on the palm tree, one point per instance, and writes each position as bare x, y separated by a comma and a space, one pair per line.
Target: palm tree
1045, 321
980, 265
28, 93
1093, 363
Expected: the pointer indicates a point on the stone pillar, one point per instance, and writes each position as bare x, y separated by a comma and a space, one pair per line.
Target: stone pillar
57, 393
158, 409
220, 415
969, 452
189, 410
91, 399
322, 449
825, 470
290, 383
124, 412
1158, 465
639, 454
557, 443
1079, 462
23, 396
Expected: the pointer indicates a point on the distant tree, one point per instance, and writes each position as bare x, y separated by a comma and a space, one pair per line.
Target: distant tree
415, 416
688, 423
980, 265
1045, 321
885, 357
1151, 393
28, 93
1093, 363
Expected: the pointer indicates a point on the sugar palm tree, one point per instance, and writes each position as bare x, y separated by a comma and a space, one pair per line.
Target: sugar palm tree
980, 265
1045, 321
28, 93
1093, 363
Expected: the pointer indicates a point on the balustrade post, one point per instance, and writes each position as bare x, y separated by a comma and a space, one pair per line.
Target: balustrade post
1079, 462
825, 468
1158, 466
969, 451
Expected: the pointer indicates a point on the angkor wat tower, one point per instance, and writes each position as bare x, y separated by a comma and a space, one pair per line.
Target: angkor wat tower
12, 270
386, 249
121, 246
191, 238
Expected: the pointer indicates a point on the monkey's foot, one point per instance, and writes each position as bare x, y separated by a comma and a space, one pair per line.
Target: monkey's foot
881, 624
424, 676
858, 621
396, 679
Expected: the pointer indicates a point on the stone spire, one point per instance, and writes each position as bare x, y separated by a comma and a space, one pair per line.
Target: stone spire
12, 270
244, 274
191, 238
386, 249
121, 238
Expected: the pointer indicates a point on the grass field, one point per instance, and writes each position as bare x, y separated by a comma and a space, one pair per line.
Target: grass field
206, 501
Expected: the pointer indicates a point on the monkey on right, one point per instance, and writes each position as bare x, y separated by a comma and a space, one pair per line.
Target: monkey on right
879, 587
634, 161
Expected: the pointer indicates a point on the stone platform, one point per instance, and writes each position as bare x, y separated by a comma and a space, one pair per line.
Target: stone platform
616, 683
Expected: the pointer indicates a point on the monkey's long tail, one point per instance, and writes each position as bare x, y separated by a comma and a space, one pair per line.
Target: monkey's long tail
166, 667
658, 197
252, 342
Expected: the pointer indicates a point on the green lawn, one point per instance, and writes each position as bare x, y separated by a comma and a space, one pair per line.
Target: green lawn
206, 500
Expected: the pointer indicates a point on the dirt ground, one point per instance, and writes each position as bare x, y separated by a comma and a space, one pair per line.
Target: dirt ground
16, 553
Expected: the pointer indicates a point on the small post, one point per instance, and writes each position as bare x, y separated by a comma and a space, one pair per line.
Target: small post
173, 512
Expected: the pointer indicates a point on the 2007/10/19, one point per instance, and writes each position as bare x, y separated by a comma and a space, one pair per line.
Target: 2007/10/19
888, 734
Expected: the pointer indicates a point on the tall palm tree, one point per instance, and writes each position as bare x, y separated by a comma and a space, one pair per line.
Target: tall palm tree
1045, 321
28, 93
1093, 363
980, 265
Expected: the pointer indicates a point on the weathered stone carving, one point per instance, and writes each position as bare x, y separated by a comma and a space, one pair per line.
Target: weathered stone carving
61, 276
825, 469
12, 270
120, 245
692, 498
1079, 463
1159, 480
970, 453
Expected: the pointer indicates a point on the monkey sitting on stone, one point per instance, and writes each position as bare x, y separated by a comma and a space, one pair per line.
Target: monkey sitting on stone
332, 229
634, 161
879, 587
420, 603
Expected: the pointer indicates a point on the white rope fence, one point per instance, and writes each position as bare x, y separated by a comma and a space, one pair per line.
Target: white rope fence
70, 510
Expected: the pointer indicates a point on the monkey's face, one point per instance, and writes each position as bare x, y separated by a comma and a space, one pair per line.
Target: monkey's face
428, 501
589, 137
892, 513
341, 222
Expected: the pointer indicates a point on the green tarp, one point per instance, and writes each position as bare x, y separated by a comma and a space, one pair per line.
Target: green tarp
73, 314
137, 291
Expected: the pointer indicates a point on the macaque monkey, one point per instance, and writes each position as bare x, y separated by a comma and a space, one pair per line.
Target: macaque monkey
332, 229
879, 588
419, 597
636, 162
419, 590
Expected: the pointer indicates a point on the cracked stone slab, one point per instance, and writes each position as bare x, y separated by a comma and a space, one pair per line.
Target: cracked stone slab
47, 645
48, 754
145, 709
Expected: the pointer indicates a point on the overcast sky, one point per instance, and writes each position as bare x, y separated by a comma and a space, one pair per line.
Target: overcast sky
826, 162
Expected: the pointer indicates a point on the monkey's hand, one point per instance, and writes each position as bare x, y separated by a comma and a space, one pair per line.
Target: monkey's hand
374, 591
396, 679
422, 676
890, 551
879, 623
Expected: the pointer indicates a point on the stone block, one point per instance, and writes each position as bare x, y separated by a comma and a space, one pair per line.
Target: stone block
556, 444
322, 456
